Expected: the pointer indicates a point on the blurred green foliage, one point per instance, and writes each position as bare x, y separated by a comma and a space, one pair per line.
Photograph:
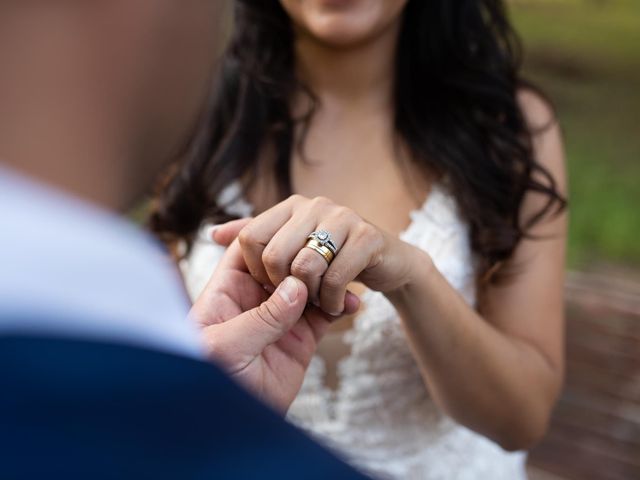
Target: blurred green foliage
585, 54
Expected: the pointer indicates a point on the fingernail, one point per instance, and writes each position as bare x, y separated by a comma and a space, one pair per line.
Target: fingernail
211, 232
288, 290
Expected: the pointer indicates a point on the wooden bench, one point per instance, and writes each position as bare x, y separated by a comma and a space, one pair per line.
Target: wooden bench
595, 430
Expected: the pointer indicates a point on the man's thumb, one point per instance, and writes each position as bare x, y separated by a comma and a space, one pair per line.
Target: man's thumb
264, 325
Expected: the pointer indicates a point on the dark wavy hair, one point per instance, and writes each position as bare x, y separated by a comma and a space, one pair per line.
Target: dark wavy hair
456, 110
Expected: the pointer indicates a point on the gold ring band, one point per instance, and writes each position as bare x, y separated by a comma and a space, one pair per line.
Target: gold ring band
316, 246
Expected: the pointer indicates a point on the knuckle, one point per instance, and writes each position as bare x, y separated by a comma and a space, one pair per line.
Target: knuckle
246, 236
304, 267
268, 314
333, 280
216, 345
343, 213
376, 238
363, 230
321, 201
211, 345
271, 258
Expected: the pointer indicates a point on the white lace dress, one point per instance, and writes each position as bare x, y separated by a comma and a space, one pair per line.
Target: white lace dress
381, 417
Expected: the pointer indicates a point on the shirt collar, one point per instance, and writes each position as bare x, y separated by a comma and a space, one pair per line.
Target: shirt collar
71, 268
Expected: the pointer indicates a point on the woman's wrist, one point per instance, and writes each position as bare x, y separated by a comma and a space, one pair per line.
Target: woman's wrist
418, 267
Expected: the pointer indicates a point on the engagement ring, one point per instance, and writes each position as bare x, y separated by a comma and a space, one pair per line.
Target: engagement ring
324, 238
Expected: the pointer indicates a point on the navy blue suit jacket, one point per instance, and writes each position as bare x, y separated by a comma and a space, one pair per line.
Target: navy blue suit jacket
80, 409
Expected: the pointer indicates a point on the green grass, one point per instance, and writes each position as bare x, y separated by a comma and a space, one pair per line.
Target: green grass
586, 56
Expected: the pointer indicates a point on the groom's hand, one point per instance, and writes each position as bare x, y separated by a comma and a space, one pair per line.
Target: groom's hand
264, 341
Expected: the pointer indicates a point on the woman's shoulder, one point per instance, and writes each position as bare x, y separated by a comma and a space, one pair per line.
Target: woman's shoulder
548, 152
545, 130
537, 110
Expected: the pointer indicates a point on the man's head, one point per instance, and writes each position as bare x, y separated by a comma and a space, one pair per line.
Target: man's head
102, 89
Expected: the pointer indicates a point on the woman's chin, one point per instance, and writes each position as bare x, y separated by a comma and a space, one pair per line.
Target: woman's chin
341, 40
344, 23
340, 34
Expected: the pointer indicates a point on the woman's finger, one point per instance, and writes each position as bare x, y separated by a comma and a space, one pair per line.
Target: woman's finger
225, 233
232, 259
309, 265
355, 256
279, 255
282, 249
351, 303
257, 234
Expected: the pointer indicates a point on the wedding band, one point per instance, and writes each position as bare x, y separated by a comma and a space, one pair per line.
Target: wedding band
324, 239
324, 251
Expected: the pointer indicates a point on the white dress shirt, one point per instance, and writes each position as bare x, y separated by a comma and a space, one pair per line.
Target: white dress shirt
71, 269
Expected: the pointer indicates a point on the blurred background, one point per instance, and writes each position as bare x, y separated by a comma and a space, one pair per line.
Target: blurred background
585, 54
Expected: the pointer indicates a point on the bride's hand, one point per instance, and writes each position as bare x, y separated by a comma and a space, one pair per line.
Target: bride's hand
273, 246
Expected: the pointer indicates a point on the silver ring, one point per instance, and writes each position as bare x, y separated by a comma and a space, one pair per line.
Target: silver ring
324, 238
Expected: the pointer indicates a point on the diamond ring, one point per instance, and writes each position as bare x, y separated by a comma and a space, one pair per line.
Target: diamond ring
323, 250
324, 238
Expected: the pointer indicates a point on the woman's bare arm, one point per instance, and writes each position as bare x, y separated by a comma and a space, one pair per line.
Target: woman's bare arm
499, 371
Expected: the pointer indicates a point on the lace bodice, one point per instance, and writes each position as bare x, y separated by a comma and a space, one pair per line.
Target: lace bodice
381, 417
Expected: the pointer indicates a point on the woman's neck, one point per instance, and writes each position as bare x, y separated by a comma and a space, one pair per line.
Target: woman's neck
363, 73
